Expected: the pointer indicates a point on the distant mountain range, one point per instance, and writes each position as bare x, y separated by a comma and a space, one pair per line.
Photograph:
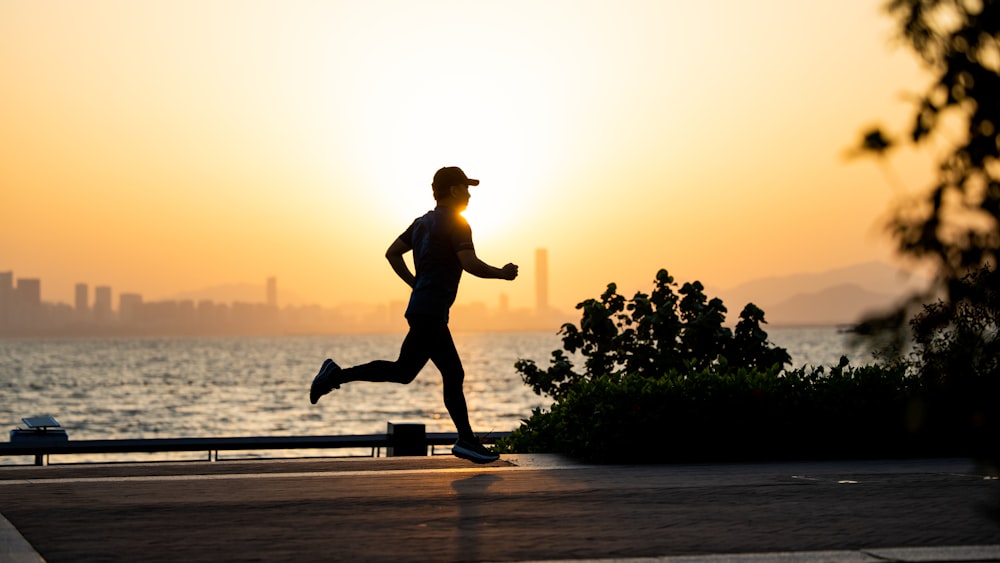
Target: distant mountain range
834, 297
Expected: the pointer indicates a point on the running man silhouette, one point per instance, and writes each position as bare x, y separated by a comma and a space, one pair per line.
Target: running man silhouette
441, 241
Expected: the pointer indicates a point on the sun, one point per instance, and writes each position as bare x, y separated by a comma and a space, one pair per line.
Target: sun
482, 104
407, 131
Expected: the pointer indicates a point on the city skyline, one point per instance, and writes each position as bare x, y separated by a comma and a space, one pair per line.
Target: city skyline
102, 293
23, 311
835, 297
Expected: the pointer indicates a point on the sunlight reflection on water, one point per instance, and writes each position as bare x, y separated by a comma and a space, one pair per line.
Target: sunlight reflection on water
169, 387
258, 386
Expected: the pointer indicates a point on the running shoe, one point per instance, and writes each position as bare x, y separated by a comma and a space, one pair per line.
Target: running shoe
473, 451
324, 381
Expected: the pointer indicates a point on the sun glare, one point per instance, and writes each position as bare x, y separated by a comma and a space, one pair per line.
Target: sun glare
407, 126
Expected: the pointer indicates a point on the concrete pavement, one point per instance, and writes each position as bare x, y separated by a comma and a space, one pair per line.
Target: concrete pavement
523, 508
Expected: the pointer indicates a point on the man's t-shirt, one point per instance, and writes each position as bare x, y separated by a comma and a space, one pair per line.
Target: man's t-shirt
436, 238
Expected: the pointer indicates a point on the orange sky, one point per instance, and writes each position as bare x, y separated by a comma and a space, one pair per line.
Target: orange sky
160, 147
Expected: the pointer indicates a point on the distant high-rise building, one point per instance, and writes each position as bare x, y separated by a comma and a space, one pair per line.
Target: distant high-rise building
6, 296
272, 292
541, 280
82, 299
102, 303
129, 307
29, 292
28, 301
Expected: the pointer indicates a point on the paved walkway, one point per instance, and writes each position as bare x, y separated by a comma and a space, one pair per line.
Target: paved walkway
523, 508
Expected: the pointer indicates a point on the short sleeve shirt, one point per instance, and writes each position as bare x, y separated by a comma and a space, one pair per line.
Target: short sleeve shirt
436, 238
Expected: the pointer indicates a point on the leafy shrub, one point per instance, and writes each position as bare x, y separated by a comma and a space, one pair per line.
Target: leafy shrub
664, 380
957, 357
653, 334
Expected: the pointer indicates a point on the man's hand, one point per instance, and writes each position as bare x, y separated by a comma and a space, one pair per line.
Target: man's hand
508, 272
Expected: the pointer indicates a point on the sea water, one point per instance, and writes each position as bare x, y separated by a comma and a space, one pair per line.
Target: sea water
106, 388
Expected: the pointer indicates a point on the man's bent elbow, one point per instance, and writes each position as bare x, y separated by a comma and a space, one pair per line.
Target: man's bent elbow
397, 249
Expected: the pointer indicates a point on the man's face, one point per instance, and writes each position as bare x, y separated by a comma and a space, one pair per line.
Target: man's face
460, 194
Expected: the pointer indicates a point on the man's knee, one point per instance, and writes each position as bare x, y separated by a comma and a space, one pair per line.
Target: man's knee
407, 376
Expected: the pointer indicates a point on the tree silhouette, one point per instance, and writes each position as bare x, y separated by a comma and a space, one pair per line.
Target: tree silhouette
955, 224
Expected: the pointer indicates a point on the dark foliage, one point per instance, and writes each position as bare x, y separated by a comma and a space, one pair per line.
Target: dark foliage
957, 358
664, 380
667, 330
735, 415
955, 223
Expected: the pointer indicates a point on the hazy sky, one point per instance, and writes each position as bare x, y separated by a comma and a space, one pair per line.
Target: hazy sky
161, 147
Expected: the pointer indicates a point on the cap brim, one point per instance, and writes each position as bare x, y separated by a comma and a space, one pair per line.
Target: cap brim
472, 182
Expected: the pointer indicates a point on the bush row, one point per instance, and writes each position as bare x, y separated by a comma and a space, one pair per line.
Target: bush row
743, 415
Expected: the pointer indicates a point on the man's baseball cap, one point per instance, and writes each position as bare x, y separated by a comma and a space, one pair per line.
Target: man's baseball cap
452, 176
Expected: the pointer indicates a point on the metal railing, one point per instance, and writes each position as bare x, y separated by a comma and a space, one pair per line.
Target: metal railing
212, 446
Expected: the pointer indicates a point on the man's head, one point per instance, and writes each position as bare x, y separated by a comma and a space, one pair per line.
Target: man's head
451, 182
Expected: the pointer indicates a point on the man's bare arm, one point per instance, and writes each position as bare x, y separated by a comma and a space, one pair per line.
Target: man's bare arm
472, 264
394, 255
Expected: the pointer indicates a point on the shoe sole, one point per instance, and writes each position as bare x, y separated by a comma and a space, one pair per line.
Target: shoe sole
469, 455
313, 396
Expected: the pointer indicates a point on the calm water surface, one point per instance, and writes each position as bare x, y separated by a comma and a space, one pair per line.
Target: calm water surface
258, 386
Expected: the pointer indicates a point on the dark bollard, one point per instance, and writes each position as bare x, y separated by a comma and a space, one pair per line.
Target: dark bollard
41, 430
406, 440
